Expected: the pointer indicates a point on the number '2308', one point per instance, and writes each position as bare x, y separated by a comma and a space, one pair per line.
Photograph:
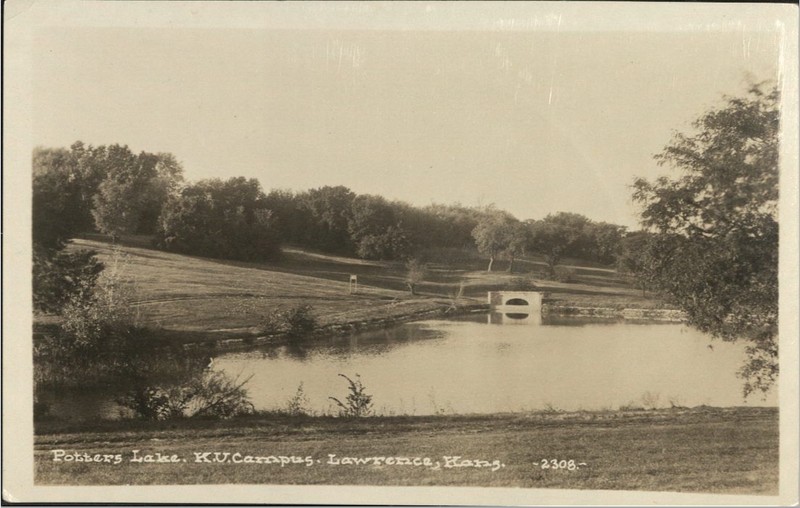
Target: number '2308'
569, 465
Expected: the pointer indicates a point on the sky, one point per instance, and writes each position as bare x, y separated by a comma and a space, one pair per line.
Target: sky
535, 120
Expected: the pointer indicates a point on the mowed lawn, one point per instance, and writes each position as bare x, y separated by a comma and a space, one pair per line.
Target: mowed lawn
694, 450
189, 293
210, 299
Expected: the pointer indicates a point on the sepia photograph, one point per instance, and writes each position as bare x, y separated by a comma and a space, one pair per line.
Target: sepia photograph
420, 253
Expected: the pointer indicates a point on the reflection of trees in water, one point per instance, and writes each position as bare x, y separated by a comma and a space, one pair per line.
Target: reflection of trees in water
270, 353
85, 388
371, 343
173, 368
551, 320
158, 382
100, 371
296, 351
378, 342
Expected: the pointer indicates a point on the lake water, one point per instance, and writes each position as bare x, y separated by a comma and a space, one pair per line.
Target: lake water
500, 363
488, 363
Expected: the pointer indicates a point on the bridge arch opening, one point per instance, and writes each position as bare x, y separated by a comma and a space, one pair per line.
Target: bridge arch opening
517, 315
517, 301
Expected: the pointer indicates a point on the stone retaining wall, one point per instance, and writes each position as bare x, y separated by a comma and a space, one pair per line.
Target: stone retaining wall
611, 313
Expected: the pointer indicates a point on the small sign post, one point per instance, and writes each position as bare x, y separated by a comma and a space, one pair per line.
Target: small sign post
353, 284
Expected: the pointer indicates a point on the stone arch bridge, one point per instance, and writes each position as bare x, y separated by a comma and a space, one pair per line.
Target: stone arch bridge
530, 299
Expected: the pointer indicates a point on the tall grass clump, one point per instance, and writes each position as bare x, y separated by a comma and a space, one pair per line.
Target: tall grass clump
298, 404
358, 403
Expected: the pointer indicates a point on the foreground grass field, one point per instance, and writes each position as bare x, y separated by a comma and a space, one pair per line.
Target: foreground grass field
683, 450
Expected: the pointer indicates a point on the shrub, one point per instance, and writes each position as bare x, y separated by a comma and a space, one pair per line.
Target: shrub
100, 315
210, 395
564, 274
152, 403
357, 404
522, 284
650, 400
63, 276
295, 322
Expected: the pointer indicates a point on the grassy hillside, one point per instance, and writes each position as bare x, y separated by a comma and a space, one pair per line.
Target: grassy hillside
194, 294
201, 298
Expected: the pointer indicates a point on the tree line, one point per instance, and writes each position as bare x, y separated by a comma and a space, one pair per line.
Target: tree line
110, 189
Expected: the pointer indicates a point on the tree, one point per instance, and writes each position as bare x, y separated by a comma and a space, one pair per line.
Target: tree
603, 242
222, 219
516, 242
492, 234
439, 226
166, 182
120, 195
57, 214
134, 190
636, 259
374, 229
55, 199
415, 274
330, 209
718, 228
292, 219
558, 235
91, 168
65, 182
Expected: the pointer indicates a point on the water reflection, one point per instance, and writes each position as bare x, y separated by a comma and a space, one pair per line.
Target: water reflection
371, 343
475, 366
506, 361
55, 398
513, 318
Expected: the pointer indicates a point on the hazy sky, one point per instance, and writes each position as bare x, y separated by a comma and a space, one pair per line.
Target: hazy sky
535, 121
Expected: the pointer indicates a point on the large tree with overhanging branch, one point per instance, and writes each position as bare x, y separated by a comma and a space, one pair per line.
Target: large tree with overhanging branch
716, 248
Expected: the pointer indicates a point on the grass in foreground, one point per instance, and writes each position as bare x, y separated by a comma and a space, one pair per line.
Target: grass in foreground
693, 450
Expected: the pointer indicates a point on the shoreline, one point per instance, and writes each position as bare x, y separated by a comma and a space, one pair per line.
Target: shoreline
437, 309
433, 308
544, 417
342, 328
